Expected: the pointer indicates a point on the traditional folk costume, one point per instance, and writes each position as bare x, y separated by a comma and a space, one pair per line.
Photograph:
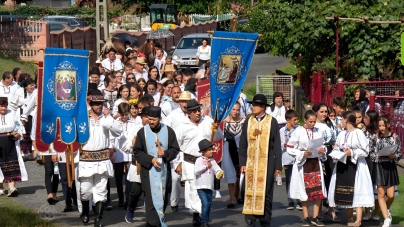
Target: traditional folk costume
307, 181
385, 169
189, 135
174, 120
156, 183
95, 166
351, 184
230, 161
260, 152
19, 100
12, 166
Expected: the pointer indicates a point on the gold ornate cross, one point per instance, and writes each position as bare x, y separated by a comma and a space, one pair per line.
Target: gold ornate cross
257, 132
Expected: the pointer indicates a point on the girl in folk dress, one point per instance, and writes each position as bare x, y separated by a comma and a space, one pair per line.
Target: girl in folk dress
12, 167
351, 184
110, 93
329, 133
230, 163
124, 95
384, 173
307, 181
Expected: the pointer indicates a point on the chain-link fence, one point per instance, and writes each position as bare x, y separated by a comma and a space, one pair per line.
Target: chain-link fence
269, 84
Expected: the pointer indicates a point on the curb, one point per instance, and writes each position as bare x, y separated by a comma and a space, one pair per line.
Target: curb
401, 163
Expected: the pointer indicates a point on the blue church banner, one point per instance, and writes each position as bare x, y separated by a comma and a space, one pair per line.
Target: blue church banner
231, 56
64, 95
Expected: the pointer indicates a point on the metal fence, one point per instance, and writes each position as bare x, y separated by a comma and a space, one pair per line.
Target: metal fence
269, 84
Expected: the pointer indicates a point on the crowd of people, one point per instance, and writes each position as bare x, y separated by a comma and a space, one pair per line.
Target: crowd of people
149, 135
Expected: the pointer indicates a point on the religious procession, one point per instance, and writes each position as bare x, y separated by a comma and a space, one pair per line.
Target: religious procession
148, 129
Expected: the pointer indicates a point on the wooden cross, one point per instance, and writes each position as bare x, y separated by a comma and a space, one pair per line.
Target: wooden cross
158, 143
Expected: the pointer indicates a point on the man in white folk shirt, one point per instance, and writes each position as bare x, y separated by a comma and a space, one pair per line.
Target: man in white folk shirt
174, 120
8, 87
168, 106
277, 109
111, 63
95, 78
159, 60
95, 166
193, 129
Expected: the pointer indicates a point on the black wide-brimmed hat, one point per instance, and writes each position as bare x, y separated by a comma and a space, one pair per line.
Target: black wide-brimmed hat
259, 98
95, 96
154, 111
193, 104
92, 86
204, 144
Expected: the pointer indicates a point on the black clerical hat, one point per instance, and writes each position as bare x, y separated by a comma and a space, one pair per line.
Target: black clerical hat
145, 110
259, 98
3, 100
193, 105
204, 144
154, 111
95, 70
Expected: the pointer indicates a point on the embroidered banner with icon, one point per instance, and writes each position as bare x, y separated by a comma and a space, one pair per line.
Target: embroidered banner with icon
62, 93
232, 53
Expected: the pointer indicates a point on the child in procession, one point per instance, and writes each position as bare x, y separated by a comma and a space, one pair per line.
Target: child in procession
206, 169
292, 120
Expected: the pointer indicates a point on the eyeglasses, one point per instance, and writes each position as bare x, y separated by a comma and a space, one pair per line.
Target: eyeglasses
131, 78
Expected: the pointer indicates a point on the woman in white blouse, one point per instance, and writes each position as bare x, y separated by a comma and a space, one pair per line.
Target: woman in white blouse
307, 181
203, 54
351, 184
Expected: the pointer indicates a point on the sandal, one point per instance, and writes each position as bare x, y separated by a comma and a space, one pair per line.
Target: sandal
351, 222
230, 205
357, 224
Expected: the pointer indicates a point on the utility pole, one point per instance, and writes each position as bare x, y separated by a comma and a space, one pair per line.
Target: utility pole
102, 26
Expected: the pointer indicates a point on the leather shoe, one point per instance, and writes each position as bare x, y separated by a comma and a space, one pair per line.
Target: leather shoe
196, 221
175, 208
68, 208
85, 209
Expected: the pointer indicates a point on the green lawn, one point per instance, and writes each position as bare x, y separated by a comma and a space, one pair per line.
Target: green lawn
396, 208
13, 214
8, 64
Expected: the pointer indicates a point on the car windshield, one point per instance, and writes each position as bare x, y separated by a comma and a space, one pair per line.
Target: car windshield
191, 43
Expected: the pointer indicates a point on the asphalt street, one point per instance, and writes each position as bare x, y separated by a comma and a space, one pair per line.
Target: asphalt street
264, 64
33, 196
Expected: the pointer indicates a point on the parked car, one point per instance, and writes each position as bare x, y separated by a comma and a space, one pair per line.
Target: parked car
57, 26
69, 20
185, 52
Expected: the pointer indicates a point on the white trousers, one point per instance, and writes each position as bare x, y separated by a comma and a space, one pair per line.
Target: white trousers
94, 188
192, 200
175, 188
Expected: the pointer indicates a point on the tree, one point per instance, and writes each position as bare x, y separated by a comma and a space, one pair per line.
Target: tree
292, 28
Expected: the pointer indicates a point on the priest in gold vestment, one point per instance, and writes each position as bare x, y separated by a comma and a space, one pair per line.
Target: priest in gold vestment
260, 157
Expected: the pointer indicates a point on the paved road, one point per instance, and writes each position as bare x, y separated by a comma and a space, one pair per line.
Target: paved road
264, 64
33, 196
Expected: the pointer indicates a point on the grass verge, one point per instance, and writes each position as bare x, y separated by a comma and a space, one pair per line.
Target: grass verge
13, 214
8, 64
396, 208
250, 90
289, 69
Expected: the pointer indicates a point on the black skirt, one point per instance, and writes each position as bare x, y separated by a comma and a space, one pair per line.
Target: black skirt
233, 151
9, 164
385, 173
345, 183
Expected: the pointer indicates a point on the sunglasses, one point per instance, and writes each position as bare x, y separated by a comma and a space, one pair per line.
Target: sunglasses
131, 78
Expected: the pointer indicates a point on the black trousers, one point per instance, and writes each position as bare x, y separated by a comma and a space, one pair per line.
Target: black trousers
119, 174
68, 193
51, 179
288, 174
135, 194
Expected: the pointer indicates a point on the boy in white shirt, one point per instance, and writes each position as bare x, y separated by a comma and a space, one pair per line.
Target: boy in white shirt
206, 169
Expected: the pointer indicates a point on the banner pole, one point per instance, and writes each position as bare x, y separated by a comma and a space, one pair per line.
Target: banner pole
215, 121
72, 161
69, 181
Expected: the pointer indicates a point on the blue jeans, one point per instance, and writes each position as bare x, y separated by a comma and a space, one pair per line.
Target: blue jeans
206, 198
